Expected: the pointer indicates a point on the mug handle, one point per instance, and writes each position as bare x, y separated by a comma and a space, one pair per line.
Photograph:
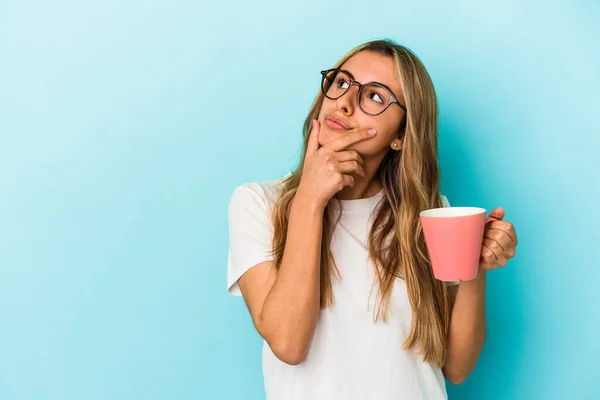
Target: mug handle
487, 221
490, 219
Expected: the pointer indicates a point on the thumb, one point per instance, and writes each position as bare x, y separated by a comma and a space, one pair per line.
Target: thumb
313, 139
497, 213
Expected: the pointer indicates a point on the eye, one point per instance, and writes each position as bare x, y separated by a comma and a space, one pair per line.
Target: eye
375, 97
340, 82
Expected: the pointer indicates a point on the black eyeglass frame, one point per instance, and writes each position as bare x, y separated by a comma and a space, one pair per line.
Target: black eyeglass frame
392, 99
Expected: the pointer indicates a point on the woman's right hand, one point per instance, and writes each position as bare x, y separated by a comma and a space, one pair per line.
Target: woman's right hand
328, 169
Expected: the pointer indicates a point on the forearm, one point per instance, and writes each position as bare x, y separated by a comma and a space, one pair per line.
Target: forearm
467, 329
291, 309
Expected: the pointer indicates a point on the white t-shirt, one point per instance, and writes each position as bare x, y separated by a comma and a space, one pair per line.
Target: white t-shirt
350, 356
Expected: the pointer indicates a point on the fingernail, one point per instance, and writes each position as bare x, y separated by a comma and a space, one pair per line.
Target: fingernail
372, 132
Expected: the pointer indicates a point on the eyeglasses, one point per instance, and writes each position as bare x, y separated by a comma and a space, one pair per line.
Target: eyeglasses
373, 98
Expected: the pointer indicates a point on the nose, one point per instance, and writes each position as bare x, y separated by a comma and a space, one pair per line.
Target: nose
347, 102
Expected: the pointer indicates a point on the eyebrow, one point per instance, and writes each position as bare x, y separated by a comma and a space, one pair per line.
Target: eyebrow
379, 83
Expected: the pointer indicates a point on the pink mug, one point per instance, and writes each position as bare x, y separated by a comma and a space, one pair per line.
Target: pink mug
454, 237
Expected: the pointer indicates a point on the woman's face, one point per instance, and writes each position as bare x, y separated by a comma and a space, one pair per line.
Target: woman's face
365, 67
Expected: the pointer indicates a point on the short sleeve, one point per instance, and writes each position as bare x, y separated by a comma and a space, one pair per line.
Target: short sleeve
446, 203
250, 233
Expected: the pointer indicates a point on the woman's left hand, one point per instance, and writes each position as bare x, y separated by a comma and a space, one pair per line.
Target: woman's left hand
499, 242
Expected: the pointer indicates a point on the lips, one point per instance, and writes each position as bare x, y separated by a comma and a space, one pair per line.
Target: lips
337, 121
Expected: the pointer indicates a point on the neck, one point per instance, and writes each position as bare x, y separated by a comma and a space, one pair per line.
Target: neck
363, 188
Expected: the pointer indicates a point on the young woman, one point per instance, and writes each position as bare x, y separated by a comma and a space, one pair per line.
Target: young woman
331, 259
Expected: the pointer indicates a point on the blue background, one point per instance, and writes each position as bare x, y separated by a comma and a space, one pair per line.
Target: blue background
125, 127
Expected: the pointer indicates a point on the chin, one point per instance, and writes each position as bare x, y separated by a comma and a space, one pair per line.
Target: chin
332, 133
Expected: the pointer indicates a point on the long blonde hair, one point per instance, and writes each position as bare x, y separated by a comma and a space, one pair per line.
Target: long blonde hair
410, 180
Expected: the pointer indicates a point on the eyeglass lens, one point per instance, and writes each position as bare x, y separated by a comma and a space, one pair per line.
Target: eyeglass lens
373, 99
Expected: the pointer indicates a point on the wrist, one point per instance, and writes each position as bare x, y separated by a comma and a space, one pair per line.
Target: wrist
478, 280
307, 202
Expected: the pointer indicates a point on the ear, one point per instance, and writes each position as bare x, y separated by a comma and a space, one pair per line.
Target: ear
396, 144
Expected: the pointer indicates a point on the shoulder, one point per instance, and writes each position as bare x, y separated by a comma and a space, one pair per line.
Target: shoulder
445, 201
260, 193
